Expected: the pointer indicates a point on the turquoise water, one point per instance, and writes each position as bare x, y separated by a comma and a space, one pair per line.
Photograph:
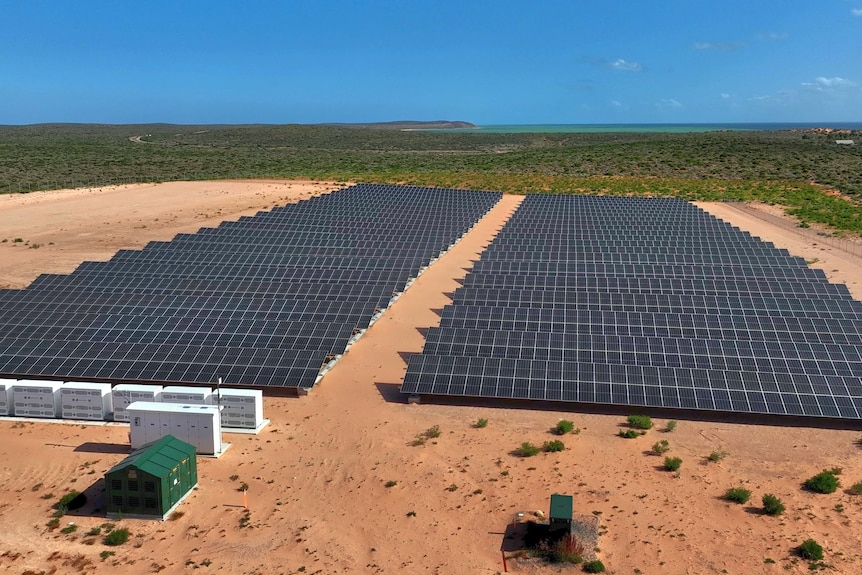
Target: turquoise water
645, 128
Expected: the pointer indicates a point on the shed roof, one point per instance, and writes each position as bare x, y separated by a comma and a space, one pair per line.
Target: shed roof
157, 458
157, 406
561, 506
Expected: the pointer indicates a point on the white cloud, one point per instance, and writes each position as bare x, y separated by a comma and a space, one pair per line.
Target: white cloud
773, 36
721, 46
626, 66
726, 96
856, 11
668, 103
616, 104
822, 83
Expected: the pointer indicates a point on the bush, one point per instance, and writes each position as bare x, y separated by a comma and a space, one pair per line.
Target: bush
481, 423
810, 550
527, 449
564, 426
630, 433
772, 505
672, 463
671, 425
856, 489
737, 495
823, 482
661, 447
432, 432
594, 567
72, 500
566, 550
639, 421
717, 456
117, 537
552, 446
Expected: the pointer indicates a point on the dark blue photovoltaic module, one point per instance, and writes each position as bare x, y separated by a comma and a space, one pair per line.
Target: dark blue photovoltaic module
646, 302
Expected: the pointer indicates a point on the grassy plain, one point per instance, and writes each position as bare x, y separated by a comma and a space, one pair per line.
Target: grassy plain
791, 168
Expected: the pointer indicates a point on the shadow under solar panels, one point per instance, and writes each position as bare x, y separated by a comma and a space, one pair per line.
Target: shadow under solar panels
644, 302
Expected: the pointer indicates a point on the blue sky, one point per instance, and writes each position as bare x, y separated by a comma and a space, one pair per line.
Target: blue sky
488, 62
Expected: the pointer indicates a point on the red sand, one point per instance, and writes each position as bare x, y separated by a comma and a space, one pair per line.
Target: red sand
317, 475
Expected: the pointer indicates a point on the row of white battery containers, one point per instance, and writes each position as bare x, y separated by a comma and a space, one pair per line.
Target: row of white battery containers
242, 408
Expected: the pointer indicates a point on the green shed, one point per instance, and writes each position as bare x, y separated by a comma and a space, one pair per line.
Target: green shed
561, 513
152, 480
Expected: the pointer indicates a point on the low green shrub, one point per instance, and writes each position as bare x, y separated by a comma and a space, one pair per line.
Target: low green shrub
856, 489
661, 447
527, 449
737, 495
66, 500
672, 463
595, 566
671, 425
116, 537
772, 505
717, 456
553, 446
639, 421
810, 550
630, 433
481, 423
564, 426
823, 482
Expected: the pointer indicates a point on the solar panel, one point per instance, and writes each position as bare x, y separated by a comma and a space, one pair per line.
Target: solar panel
644, 302
266, 301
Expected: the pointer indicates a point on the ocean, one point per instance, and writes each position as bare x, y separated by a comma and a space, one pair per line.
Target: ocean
646, 128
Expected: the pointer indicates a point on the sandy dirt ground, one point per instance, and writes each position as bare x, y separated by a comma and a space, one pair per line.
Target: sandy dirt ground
337, 483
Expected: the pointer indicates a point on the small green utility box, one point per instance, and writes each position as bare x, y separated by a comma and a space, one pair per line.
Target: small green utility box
152, 480
561, 513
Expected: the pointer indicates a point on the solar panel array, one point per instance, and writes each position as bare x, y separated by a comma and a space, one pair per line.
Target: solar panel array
267, 300
644, 302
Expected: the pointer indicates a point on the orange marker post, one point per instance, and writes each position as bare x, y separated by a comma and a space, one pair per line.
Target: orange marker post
245, 498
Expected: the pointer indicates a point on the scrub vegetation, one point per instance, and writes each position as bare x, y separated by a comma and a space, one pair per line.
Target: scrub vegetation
793, 168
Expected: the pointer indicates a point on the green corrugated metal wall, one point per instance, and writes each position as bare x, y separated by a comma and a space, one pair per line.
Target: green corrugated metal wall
152, 479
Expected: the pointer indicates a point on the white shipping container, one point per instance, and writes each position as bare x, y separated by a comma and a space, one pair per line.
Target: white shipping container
199, 425
187, 395
125, 394
36, 398
6, 395
242, 408
83, 400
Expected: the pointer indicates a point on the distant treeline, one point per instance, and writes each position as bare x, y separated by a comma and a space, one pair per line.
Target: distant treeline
770, 165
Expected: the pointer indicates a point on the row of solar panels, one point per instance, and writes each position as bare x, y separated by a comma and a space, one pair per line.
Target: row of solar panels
248, 301
561, 307
707, 390
529, 342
